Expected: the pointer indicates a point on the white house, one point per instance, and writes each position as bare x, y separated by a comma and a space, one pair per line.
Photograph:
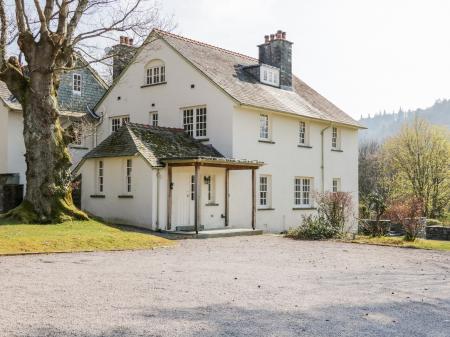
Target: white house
263, 142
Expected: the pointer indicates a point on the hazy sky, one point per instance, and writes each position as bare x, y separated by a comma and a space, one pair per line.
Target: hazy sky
363, 55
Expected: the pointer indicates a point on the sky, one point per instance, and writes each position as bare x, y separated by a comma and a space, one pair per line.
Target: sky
363, 55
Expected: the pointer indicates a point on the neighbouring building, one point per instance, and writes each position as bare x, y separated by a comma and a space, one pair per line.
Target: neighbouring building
193, 134
78, 93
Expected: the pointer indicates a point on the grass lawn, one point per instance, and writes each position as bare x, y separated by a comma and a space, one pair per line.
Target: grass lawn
399, 242
76, 236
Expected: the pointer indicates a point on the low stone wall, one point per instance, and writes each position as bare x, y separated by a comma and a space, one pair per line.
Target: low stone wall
438, 233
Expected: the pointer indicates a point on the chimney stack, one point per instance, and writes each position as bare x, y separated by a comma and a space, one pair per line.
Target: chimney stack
266, 38
122, 54
277, 52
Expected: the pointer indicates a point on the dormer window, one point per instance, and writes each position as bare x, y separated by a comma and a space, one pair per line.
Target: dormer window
155, 72
270, 75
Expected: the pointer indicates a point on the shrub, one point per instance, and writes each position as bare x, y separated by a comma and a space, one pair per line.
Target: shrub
374, 227
335, 208
433, 222
313, 228
407, 212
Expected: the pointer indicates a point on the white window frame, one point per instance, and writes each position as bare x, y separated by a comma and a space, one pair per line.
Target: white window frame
195, 121
128, 176
155, 75
335, 138
76, 83
264, 127
100, 170
303, 133
154, 118
265, 191
118, 121
336, 185
303, 192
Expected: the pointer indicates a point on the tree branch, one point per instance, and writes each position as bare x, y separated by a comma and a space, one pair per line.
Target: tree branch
3, 34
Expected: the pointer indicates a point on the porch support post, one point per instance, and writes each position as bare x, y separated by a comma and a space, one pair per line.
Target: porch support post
197, 198
169, 197
227, 196
253, 199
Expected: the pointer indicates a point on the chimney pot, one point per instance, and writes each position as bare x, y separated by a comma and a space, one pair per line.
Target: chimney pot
279, 34
272, 36
266, 38
283, 35
122, 39
125, 40
130, 41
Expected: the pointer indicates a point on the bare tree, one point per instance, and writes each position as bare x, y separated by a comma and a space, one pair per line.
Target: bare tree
49, 34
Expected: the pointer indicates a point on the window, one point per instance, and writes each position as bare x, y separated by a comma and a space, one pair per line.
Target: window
155, 72
335, 141
336, 185
154, 118
264, 127
100, 176
192, 187
77, 133
264, 191
302, 136
209, 181
194, 122
76, 83
117, 122
269, 75
302, 192
128, 177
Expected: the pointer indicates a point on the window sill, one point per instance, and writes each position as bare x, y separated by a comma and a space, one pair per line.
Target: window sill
336, 150
303, 208
202, 139
266, 209
98, 196
304, 146
126, 196
266, 141
152, 85
211, 204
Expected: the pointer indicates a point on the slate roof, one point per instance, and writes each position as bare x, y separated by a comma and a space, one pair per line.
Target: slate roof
227, 70
154, 143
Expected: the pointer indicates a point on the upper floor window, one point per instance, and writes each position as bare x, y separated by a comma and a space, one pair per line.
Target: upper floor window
335, 138
336, 185
265, 191
155, 72
302, 192
269, 75
76, 83
264, 127
303, 133
154, 118
117, 122
194, 122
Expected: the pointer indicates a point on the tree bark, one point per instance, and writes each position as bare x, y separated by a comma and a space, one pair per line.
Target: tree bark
48, 193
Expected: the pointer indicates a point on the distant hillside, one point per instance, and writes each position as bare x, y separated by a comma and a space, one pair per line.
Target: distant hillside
384, 125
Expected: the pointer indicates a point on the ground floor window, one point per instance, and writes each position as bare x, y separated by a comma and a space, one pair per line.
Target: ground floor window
128, 177
302, 192
264, 190
336, 185
154, 118
100, 176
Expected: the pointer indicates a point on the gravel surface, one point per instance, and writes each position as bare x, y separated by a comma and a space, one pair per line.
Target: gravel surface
243, 286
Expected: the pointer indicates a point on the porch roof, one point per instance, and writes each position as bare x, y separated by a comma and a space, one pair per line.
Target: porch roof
231, 163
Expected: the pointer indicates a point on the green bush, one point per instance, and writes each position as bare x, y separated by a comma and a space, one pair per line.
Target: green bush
314, 228
433, 222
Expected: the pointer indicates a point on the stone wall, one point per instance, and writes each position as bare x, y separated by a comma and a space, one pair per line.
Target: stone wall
438, 233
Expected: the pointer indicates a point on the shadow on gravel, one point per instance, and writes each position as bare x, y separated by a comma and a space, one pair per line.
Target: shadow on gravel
397, 319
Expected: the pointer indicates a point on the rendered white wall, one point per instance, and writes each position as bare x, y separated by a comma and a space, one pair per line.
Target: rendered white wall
168, 98
3, 139
16, 145
135, 211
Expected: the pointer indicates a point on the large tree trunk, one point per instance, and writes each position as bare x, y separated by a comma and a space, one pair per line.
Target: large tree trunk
48, 193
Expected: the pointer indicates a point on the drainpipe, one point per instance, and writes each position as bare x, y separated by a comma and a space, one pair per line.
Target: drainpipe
322, 164
158, 177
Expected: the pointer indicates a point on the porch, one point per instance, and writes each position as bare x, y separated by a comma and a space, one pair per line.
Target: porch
198, 195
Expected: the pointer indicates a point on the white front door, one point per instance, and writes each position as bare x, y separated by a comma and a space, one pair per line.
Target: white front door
183, 192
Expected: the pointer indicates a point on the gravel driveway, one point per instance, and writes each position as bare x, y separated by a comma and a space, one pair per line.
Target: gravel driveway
244, 286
